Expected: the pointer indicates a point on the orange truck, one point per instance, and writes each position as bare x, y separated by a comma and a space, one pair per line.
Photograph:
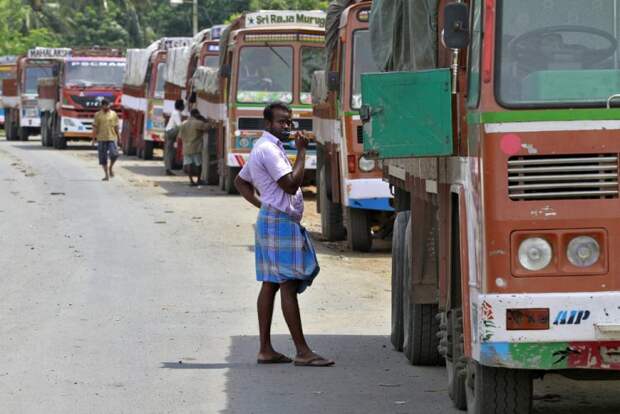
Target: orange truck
7, 72
69, 100
20, 94
143, 97
354, 200
497, 122
182, 64
264, 56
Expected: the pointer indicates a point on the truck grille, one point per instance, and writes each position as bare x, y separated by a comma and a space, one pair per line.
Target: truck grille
558, 177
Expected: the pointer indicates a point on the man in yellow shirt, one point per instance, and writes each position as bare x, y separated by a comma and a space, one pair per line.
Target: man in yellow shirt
105, 133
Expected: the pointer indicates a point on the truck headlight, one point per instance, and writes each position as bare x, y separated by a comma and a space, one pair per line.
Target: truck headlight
535, 253
68, 123
366, 165
583, 251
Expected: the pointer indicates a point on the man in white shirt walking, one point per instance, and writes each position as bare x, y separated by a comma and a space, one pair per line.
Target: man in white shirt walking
172, 131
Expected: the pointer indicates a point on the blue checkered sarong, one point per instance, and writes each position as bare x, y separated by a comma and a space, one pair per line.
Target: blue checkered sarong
284, 250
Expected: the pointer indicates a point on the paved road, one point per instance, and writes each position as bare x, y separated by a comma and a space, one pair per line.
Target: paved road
137, 296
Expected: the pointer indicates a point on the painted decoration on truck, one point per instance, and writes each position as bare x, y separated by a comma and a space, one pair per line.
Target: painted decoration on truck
552, 355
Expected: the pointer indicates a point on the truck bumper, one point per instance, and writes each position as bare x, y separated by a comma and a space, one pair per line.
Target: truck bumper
237, 160
368, 194
583, 331
31, 122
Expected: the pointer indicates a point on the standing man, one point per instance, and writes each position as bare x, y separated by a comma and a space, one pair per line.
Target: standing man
172, 131
285, 257
191, 133
105, 134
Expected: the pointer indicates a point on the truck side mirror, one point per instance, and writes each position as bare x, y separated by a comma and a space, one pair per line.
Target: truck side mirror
225, 70
456, 26
333, 81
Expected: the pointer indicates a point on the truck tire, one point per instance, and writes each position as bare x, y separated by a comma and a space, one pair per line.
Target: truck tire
398, 264
24, 134
492, 390
129, 148
420, 324
44, 118
147, 152
456, 364
60, 142
8, 126
332, 226
358, 231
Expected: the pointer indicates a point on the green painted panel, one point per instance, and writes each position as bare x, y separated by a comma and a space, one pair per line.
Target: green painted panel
410, 113
539, 356
541, 115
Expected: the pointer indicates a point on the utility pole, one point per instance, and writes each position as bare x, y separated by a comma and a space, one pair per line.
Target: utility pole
195, 17
194, 12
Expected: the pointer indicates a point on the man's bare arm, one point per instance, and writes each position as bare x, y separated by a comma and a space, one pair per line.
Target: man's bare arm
291, 182
247, 191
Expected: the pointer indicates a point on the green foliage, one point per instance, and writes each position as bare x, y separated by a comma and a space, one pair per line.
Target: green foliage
16, 36
117, 23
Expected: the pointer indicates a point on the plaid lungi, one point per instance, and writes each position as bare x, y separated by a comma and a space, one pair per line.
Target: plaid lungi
283, 250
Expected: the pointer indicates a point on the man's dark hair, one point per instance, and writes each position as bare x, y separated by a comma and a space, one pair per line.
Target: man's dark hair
105, 102
195, 113
179, 105
268, 111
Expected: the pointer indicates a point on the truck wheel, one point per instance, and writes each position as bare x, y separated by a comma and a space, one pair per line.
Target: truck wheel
44, 129
60, 142
24, 134
456, 365
493, 390
128, 147
230, 173
420, 324
147, 152
398, 264
332, 226
8, 126
359, 232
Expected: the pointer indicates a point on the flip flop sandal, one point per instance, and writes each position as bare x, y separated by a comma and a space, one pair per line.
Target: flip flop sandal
317, 361
280, 359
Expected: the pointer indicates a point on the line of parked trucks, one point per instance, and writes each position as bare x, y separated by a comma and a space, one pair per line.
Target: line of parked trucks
490, 138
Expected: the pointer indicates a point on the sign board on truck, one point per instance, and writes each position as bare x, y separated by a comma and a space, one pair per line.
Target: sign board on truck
49, 53
314, 18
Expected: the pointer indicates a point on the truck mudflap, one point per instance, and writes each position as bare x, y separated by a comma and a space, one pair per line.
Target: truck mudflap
238, 160
1, 116
570, 330
368, 194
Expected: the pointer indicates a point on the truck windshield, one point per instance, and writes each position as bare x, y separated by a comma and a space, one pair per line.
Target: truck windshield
563, 54
32, 75
87, 73
312, 59
265, 74
211, 61
362, 63
161, 79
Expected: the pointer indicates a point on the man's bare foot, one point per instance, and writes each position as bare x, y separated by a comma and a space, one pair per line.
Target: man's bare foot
312, 360
105, 179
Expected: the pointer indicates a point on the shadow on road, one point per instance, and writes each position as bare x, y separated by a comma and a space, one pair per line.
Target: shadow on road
369, 377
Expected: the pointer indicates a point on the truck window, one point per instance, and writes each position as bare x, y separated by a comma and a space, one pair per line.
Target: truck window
312, 59
549, 55
161, 79
94, 73
362, 63
32, 75
211, 61
473, 94
265, 74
